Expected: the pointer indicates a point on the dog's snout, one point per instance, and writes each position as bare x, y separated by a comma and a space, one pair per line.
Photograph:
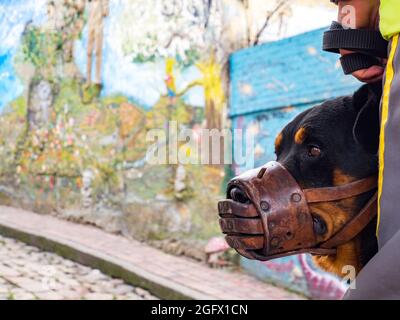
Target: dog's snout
238, 195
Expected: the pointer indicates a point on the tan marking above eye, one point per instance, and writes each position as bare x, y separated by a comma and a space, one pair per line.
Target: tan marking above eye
278, 141
300, 136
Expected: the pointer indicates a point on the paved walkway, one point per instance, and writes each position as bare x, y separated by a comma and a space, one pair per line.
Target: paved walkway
150, 268
26, 273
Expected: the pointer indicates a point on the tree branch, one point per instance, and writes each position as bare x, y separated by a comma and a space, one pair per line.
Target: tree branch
188, 87
279, 6
207, 12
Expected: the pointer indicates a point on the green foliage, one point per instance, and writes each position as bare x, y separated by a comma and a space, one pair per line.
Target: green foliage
191, 57
19, 106
11, 296
68, 95
141, 58
86, 135
40, 47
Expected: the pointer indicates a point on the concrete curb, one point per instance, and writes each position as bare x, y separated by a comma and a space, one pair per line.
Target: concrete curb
158, 286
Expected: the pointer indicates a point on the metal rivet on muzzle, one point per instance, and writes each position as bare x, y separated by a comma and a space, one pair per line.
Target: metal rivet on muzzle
274, 242
271, 225
264, 205
296, 197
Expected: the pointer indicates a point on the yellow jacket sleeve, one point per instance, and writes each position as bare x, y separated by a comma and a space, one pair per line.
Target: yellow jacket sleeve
389, 18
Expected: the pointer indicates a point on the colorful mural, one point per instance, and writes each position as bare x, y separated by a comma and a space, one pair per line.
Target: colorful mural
300, 272
83, 82
77, 106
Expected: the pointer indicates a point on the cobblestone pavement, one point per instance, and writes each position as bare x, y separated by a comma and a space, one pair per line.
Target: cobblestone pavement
170, 275
27, 273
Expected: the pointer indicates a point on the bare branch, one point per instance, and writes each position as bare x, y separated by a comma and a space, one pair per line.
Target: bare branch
270, 15
191, 85
175, 35
207, 12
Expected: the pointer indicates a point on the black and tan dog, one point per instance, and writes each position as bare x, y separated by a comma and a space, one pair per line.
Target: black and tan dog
334, 144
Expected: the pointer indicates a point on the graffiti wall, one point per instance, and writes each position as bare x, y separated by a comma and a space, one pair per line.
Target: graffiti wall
82, 83
270, 85
81, 87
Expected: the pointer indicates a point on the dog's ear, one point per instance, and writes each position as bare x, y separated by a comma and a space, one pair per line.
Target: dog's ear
366, 127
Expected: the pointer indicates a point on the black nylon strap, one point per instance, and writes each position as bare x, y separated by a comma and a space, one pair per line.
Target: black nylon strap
369, 42
357, 61
369, 45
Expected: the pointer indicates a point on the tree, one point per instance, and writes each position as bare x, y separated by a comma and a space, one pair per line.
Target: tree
200, 32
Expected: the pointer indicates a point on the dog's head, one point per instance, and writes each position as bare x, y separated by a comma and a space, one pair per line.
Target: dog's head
330, 145
333, 144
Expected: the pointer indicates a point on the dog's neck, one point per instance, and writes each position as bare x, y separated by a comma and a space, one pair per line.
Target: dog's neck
357, 252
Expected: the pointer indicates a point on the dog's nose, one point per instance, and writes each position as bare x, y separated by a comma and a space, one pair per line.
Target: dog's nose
238, 195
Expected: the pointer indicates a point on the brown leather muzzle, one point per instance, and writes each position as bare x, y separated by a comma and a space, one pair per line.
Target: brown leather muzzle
273, 218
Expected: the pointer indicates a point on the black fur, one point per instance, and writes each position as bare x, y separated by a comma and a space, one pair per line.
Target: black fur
346, 130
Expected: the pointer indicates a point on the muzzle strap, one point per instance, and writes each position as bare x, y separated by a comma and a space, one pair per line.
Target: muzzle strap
229, 207
245, 242
341, 192
355, 225
275, 219
242, 225
237, 225
368, 45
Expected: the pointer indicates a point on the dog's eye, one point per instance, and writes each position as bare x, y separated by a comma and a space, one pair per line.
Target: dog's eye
314, 151
319, 226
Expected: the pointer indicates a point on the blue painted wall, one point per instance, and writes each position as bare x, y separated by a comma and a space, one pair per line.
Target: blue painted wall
285, 73
273, 82
270, 85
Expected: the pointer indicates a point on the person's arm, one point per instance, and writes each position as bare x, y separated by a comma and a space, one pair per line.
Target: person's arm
366, 16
